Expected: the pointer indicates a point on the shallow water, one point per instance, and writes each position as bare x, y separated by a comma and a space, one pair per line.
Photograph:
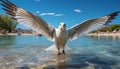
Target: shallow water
87, 53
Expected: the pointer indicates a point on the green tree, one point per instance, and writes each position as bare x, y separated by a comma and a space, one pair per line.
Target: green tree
7, 23
105, 29
111, 28
114, 27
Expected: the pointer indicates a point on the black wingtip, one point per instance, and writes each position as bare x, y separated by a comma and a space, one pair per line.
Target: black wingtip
7, 2
1, 0
112, 16
9, 7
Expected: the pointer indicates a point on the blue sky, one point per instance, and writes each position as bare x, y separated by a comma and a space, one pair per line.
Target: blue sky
69, 11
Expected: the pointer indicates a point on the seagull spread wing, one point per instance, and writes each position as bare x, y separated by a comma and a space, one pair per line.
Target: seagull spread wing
89, 26
28, 19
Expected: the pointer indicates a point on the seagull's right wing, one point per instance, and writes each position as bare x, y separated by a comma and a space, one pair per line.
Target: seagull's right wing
28, 19
89, 26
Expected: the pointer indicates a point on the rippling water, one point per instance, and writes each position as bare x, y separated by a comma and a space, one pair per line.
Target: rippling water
87, 52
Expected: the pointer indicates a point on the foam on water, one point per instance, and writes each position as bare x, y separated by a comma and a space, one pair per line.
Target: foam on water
31, 57
41, 58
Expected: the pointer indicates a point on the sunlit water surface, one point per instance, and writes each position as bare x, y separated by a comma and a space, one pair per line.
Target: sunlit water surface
86, 52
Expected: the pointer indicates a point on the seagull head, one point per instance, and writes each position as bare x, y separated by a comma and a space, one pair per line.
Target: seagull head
62, 26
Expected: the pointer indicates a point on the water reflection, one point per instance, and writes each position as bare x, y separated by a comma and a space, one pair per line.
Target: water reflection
25, 52
105, 40
65, 62
91, 62
7, 41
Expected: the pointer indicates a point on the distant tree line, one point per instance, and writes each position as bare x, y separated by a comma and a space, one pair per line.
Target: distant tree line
7, 24
110, 28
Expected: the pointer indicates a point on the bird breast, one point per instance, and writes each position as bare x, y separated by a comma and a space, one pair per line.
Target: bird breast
60, 34
61, 38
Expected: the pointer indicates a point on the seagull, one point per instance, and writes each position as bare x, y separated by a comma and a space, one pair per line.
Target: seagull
60, 36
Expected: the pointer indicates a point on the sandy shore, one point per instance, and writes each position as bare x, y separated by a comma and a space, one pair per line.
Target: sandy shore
15, 34
90, 34
104, 34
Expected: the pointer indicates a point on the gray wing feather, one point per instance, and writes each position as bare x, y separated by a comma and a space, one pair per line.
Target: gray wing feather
89, 26
28, 19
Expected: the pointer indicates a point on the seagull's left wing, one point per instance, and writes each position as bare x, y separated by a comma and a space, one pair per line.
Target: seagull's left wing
28, 19
89, 26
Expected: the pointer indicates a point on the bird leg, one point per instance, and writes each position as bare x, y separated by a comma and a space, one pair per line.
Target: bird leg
58, 51
63, 51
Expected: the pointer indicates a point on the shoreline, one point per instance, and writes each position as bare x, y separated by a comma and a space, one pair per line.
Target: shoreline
104, 34
90, 34
15, 34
